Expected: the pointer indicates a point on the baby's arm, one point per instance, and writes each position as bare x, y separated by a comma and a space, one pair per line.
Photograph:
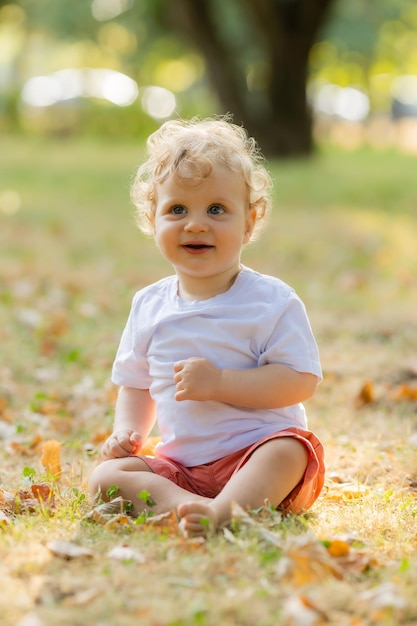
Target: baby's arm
134, 418
268, 387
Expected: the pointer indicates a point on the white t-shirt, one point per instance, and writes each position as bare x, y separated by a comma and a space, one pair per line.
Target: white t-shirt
259, 320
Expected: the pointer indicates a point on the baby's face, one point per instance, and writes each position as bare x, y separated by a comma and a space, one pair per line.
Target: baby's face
200, 228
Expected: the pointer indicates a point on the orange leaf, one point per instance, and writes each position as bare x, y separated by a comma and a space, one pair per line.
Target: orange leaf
51, 457
21, 448
366, 394
34, 444
404, 392
338, 547
41, 491
5, 414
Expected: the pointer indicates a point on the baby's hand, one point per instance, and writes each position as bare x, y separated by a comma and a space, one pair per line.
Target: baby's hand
120, 444
196, 379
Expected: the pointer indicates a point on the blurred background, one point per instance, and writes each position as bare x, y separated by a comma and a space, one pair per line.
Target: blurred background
296, 73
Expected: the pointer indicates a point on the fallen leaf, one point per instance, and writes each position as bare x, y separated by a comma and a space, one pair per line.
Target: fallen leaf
338, 547
404, 392
305, 560
68, 550
41, 491
335, 477
5, 413
298, 609
51, 406
25, 449
346, 491
379, 602
4, 519
104, 512
366, 395
82, 598
349, 559
7, 499
25, 502
164, 520
57, 324
116, 521
356, 562
51, 457
124, 553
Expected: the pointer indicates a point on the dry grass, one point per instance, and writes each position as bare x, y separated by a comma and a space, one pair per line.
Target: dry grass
344, 235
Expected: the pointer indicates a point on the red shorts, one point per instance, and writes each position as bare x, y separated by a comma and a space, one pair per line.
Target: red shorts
209, 479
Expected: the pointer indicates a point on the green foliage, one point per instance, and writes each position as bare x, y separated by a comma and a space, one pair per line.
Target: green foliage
146, 497
112, 491
367, 44
29, 474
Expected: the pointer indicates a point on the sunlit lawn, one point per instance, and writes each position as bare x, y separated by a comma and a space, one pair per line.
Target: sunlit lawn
343, 232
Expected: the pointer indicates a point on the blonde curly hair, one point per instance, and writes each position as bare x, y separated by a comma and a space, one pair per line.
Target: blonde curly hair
190, 149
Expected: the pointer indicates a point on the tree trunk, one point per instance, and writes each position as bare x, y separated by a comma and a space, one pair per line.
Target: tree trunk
194, 18
285, 30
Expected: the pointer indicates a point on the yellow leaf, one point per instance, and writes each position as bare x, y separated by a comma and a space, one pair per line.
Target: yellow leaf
51, 457
346, 491
116, 521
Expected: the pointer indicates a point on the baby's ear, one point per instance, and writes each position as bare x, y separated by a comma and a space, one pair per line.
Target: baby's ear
150, 217
250, 223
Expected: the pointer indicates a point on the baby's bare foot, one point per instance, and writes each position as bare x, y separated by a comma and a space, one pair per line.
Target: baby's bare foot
197, 519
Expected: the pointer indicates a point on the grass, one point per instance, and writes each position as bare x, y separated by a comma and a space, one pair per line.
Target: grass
343, 233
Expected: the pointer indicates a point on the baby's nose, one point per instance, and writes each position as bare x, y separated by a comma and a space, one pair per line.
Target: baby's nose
196, 223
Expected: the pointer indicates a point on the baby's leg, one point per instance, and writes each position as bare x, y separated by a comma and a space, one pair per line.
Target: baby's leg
131, 475
271, 473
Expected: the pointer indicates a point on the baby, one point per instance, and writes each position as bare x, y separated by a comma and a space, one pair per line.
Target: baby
219, 356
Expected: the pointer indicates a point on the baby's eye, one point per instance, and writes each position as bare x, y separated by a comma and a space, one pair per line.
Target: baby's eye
216, 209
177, 209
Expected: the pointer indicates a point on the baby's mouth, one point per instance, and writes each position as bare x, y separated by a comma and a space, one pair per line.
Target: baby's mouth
197, 246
